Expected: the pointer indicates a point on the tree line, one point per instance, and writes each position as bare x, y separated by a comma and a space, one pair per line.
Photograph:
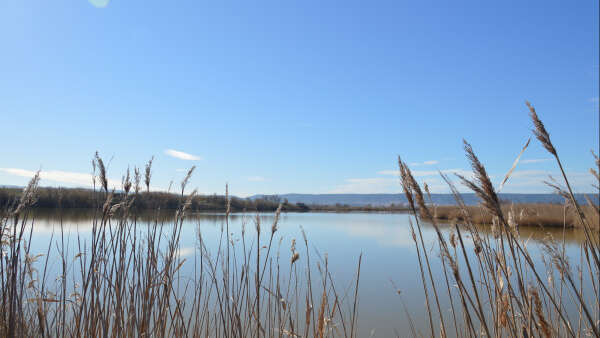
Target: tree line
68, 198
49, 197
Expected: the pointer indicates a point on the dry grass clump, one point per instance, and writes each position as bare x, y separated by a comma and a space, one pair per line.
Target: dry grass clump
126, 280
496, 290
525, 214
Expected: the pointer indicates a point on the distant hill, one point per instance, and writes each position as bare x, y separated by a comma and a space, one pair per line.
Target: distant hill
353, 200
387, 199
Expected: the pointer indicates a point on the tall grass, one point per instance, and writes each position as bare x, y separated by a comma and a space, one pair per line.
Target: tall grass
126, 280
499, 291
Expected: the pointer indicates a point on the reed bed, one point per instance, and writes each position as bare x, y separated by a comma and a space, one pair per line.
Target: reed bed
126, 281
491, 282
543, 215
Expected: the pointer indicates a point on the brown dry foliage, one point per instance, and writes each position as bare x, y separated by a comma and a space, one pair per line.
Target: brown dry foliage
534, 214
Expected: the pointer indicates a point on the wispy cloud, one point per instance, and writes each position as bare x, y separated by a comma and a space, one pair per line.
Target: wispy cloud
385, 185
181, 155
256, 179
425, 173
185, 252
69, 177
536, 160
530, 173
99, 3
367, 186
532, 181
521, 181
431, 162
389, 172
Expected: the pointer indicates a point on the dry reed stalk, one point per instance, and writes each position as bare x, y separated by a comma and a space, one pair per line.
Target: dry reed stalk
128, 282
544, 137
542, 323
512, 311
148, 173
411, 187
507, 176
321, 316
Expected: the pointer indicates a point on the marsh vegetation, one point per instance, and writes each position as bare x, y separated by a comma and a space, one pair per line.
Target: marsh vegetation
130, 275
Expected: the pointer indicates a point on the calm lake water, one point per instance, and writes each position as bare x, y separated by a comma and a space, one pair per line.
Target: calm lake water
385, 241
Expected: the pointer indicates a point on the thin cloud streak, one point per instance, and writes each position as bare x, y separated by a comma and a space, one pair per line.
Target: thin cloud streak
75, 178
367, 186
425, 173
185, 252
531, 181
521, 181
99, 3
431, 162
536, 160
182, 156
541, 174
66, 177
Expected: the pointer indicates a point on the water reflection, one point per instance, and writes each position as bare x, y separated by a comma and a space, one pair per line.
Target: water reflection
386, 229
384, 239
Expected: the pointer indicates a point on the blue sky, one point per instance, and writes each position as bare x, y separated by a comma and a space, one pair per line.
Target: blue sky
296, 96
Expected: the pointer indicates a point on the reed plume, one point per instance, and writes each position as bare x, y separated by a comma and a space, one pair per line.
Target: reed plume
148, 173
540, 131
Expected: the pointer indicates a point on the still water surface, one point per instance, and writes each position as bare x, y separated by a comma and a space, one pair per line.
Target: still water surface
385, 241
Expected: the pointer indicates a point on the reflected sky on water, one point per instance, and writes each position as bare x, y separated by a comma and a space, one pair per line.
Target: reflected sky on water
384, 239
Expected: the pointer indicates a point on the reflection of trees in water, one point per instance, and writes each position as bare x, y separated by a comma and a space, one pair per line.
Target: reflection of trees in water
51, 217
73, 215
